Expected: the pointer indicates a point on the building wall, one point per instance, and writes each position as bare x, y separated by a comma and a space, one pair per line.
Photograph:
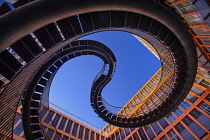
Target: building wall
189, 121
192, 118
57, 125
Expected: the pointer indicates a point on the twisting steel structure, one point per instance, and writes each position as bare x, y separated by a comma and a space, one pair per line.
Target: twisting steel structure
43, 27
37, 91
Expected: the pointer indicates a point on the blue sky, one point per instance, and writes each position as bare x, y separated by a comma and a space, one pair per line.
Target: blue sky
71, 86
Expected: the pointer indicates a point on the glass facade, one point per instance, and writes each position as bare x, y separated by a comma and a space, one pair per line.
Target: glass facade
188, 121
81, 129
205, 107
196, 129
193, 112
68, 127
57, 126
62, 123
75, 128
19, 129
173, 135
184, 105
184, 132
55, 120
49, 117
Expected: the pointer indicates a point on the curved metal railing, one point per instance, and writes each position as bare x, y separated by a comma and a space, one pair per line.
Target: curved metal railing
169, 31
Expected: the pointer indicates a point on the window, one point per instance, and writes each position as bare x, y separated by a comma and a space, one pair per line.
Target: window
157, 77
97, 136
201, 118
187, 120
55, 120
150, 86
184, 132
44, 128
68, 126
135, 136
17, 118
142, 134
164, 89
173, 135
203, 7
131, 129
86, 134
74, 131
205, 107
80, 132
197, 90
154, 82
127, 132
171, 118
179, 127
149, 132
154, 99
205, 84
191, 98
178, 112
184, 105
149, 104
159, 94
117, 135
57, 136
18, 129
144, 109
208, 98
168, 83
156, 127
122, 133
147, 89
143, 93
136, 100
139, 112
92, 135
164, 138
194, 127
62, 123
127, 111
123, 112
202, 59
133, 103
195, 113
49, 116
140, 97
163, 123
130, 107
49, 133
